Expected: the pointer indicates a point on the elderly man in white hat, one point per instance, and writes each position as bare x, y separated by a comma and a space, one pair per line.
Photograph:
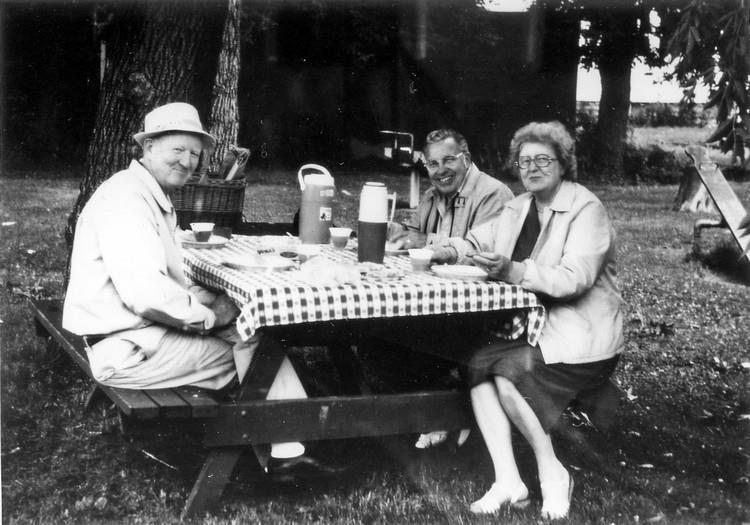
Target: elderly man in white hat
127, 293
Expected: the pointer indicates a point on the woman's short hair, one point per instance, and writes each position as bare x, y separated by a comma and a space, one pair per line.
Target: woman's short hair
553, 134
441, 134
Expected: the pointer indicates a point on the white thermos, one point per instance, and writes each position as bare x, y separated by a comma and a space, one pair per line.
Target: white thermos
373, 222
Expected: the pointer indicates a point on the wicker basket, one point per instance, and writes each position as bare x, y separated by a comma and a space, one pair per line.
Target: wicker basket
218, 201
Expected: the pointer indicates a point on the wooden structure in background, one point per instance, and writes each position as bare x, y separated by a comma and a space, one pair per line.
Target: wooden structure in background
733, 213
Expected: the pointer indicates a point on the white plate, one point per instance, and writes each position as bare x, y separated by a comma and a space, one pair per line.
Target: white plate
258, 262
215, 241
462, 272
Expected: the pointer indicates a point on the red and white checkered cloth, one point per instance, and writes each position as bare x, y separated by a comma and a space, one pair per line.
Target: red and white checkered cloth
269, 298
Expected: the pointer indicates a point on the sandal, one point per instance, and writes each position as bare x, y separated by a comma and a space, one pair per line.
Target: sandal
431, 439
438, 437
557, 505
497, 496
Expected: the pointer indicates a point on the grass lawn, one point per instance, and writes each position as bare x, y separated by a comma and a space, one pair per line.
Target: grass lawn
677, 453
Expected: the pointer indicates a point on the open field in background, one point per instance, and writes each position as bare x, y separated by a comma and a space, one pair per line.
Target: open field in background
668, 137
678, 452
675, 139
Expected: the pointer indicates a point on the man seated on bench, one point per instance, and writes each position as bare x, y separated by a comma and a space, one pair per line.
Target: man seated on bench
461, 198
144, 326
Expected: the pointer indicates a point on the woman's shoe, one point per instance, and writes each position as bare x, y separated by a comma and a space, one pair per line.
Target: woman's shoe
300, 468
498, 496
431, 439
556, 499
438, 437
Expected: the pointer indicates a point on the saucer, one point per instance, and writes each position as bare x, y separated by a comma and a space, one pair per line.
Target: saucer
215, 241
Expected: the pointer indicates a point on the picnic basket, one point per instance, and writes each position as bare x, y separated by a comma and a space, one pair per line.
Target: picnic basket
210, 200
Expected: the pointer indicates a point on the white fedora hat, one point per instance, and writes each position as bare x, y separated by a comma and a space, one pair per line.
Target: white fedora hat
176, 116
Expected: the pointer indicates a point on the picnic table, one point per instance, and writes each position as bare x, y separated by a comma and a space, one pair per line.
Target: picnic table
288, 307
417, 312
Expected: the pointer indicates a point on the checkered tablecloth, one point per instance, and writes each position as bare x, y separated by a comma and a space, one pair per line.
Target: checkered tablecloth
269, 298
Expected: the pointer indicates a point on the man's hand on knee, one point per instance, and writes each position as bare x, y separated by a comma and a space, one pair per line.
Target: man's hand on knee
225, 310
205, 297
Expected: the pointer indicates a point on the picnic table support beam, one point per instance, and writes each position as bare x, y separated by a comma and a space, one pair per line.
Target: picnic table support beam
338, 417
212, 479
221, 461
94, 394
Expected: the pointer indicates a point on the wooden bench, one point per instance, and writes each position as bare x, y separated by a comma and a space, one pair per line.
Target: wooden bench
251, 422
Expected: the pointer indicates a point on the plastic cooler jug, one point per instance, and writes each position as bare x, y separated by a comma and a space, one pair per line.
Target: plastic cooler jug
316, 208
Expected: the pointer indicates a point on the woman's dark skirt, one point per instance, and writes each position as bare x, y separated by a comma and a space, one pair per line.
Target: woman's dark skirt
548, 389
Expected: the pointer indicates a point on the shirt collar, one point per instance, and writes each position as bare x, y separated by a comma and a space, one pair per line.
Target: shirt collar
466, 188
148, 180
563, 201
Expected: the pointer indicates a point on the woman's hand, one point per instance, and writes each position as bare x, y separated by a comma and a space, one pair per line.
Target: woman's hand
497, 266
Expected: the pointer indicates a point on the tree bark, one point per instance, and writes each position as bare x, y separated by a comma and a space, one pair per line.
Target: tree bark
224, 119
618, 50
151, 51
612, 125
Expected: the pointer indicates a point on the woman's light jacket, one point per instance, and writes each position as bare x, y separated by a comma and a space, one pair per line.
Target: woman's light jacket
571, 268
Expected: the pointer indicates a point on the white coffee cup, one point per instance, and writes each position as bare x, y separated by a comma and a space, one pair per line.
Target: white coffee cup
340, 236
202, 230
420, 259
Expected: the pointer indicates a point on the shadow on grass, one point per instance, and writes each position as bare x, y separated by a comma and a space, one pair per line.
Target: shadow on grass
726, 260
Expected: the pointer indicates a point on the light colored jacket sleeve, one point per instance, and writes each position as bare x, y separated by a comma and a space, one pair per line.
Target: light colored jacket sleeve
479, 239
491, 205
584, 251
134, 254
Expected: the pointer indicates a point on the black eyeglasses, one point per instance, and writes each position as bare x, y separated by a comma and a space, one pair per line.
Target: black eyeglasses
540, 161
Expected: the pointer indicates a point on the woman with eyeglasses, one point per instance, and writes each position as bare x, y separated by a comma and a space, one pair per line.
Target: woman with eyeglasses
555, 240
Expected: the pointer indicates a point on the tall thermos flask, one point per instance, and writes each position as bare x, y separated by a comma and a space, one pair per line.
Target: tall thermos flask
373, 222
316, 208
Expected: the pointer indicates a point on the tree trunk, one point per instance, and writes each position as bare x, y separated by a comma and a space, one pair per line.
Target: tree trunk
151, 51
224, 119
612, 125
618, 50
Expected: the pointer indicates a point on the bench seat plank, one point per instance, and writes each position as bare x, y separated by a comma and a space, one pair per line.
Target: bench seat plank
48, 317
170, 403
133, 403
200, 401
141, 404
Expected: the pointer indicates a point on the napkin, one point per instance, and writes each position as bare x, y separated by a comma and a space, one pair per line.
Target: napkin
321, 271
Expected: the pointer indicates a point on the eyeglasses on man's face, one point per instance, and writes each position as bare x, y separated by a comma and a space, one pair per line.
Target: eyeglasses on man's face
540, 161
449, 161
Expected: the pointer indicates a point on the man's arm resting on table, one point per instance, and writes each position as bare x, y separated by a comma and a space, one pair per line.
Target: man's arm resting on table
134, 256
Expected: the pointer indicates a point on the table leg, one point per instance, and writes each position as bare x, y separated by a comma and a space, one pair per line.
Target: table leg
93, 396
262, 370
221, 461
212, 479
